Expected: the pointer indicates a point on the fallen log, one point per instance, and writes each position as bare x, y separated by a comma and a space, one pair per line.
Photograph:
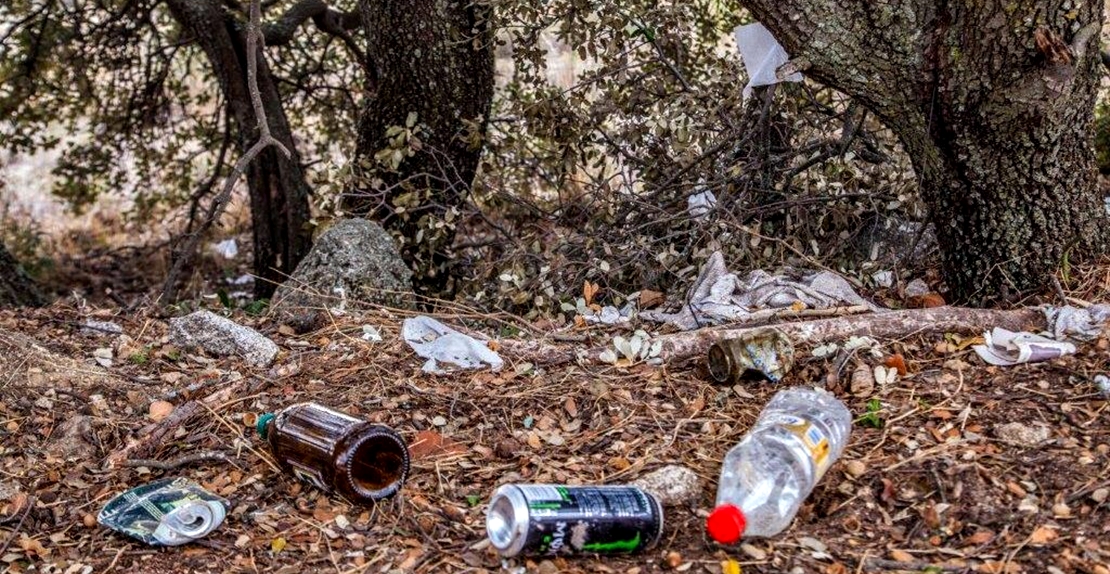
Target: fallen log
883, 325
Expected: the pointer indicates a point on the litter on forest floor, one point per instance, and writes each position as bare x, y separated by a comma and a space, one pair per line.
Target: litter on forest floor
167, 512
762, 55
1074, 323
796, 424
718, 295
335, 452
1005, 348
556, 519
765, 354
439, 343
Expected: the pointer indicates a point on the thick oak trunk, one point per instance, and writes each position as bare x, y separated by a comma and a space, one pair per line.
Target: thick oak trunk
16, 288
433, 63
278, 190
993, 101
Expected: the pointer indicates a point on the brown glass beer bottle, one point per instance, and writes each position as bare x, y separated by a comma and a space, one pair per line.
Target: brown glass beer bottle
362, 461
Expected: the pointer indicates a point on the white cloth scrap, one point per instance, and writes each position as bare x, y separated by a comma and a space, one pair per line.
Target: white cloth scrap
1074, 323
762, 55
1005, 348
718, 296
439, 343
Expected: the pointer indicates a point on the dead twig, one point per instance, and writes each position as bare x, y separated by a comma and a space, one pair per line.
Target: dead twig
255, 43
914, 566
179, 461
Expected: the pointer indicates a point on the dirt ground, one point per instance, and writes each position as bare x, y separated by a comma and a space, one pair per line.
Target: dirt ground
954, 467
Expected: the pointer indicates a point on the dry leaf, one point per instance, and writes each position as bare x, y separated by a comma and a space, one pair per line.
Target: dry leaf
32, 546
901, 556
431, 443
649, 299
278, 544
730, 566
534, 441
898, 362
588, 291
980, 537
1043, 535
863, 381
571, 407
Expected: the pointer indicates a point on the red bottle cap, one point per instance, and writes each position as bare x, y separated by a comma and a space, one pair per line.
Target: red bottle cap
726, 524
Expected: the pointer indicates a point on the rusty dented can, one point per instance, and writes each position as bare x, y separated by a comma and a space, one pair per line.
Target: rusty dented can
766, 354
550, 519
335, 452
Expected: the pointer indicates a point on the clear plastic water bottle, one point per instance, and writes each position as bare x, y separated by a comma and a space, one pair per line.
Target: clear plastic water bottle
765, 477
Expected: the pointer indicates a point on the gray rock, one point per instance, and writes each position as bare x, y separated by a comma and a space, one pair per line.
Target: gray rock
353, 260
73, 439
222, 337
1024, 434
673, 485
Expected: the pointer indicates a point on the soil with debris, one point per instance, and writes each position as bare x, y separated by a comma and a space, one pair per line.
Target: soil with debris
953, 467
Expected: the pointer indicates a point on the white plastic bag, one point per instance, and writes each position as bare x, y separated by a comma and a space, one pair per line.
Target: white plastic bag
762, 56
441, 344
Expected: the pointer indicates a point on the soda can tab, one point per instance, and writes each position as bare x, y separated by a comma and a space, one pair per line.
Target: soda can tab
166, 512
547, 519
766, 354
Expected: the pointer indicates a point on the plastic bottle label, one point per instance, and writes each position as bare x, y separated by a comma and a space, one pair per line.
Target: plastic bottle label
814, 439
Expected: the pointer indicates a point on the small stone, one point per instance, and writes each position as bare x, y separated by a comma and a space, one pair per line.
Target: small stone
1023, 434
1100, 495
856, 468
754, 552
88, 520
222, 337
547, 567
674, 559
672, 485
439, 421
1061, 510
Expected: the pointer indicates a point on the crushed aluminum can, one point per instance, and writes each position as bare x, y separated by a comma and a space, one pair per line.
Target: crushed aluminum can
764, 354
167, 512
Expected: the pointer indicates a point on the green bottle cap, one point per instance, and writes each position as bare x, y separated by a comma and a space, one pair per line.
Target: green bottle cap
263, 420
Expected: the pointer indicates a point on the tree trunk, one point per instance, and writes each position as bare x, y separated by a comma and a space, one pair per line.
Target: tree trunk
993, 100
433, 63
16, 288
278, 190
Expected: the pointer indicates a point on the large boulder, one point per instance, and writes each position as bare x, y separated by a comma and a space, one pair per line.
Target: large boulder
354, 260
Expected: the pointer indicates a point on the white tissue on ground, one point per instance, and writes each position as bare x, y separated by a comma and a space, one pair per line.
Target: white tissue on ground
227, 248
441, 344
762, 55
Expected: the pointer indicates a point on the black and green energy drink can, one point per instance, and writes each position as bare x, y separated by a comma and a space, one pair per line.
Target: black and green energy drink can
550, 519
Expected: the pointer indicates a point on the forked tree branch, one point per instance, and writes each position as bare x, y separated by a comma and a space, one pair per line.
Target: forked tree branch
255, 43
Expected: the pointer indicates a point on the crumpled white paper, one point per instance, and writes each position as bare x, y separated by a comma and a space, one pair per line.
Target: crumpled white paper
718, 296
762, 55
1075, 323
441, 344
1005, 348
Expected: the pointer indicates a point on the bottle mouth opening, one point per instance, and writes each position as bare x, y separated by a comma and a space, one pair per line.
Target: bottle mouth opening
720, 364
378, 466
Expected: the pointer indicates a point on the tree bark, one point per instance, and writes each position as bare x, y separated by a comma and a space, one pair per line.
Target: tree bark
434, 65
278, 190
16, 288
993, 100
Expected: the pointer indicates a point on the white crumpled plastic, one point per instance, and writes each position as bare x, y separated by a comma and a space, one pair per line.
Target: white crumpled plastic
762, 55
441, 344
1004, 348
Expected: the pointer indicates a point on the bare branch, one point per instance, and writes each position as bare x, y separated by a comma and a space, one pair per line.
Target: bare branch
327, 20
255, 43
